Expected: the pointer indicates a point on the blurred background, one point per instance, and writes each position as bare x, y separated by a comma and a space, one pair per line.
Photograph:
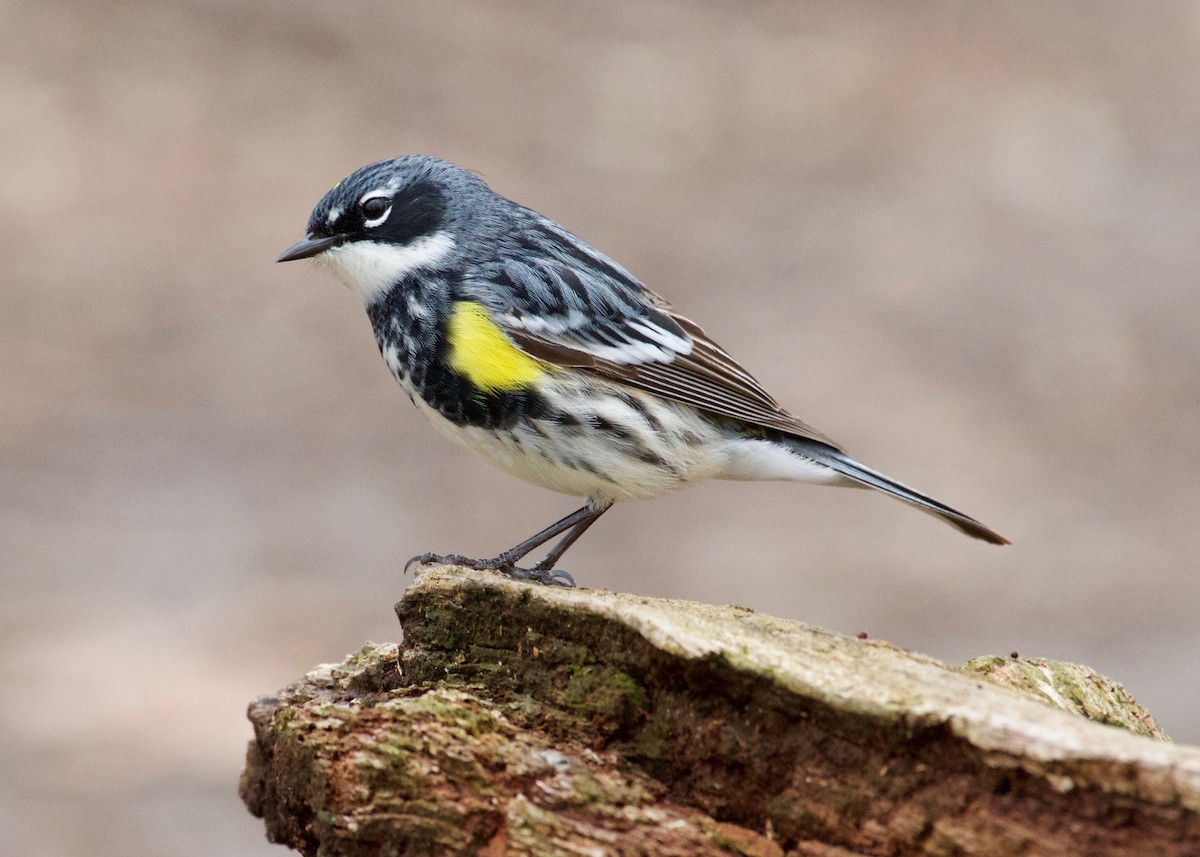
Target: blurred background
961, 239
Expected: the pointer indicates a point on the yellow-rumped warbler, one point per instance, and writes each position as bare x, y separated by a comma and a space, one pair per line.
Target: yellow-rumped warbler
521, 342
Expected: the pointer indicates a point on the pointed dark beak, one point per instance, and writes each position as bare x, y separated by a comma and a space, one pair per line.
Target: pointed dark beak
309, 246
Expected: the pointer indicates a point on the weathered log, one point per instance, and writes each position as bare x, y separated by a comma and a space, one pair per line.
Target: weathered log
517, 719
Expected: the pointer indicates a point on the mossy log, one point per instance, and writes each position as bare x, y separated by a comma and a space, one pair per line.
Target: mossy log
529, 720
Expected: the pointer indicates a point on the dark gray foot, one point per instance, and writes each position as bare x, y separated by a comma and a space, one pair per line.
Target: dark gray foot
448, 559
552, 577
500, 564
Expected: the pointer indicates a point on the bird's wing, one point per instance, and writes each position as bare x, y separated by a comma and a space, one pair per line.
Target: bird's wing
565, 303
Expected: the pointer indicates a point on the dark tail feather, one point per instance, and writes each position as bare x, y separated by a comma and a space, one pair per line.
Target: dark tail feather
864, 475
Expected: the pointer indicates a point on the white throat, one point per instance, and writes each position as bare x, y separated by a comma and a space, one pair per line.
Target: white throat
371, 268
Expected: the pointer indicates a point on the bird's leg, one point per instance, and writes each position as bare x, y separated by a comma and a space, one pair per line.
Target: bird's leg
543, 572
546, 564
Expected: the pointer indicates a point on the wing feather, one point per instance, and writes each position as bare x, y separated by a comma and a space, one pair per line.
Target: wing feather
566, 303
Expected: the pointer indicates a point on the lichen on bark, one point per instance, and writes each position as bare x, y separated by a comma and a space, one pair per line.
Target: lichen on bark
528, 720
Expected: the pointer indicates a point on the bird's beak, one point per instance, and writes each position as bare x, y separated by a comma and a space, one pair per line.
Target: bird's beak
309, 246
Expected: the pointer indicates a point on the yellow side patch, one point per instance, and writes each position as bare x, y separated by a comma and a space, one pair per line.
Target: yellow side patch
481, 352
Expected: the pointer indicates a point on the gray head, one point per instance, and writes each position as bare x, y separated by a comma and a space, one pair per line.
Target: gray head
386, 220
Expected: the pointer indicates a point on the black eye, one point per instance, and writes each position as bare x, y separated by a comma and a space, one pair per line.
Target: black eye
375, 207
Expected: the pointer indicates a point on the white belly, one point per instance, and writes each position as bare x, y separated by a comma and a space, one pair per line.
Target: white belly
592, 463
662, 447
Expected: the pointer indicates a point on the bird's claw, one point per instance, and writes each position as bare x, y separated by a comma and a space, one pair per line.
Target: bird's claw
500, 564
428, 557
497, 564
551, 577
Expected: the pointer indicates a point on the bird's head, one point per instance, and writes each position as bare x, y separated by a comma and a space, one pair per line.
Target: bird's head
387, 221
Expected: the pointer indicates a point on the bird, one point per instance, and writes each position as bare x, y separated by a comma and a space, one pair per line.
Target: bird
525, 344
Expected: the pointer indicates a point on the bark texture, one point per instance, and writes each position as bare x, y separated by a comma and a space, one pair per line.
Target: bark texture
526, 720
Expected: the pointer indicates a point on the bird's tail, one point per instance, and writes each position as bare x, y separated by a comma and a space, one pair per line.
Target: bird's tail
865, 476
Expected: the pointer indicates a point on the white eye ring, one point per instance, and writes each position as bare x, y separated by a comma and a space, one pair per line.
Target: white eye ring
374, 221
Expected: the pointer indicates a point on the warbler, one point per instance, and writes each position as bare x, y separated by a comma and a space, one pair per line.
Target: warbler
526, 345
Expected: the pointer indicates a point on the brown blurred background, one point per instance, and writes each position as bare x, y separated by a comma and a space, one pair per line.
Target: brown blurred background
959, 238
